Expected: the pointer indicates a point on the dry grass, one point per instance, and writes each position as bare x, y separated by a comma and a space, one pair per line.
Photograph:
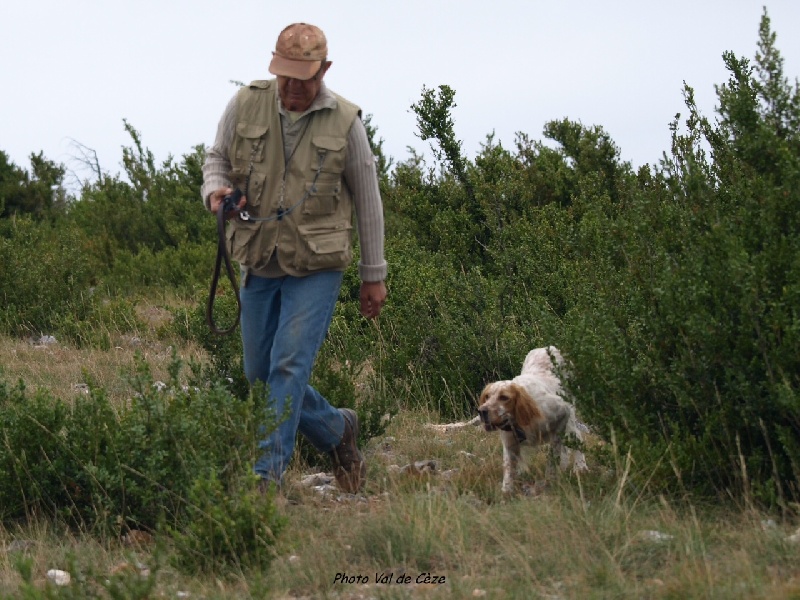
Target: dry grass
589, 537
64, 370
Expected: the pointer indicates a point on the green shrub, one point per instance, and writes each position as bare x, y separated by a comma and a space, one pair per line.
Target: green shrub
47, 274
98, 320
109, 469
34, 469
227, 528
344, 374
686, 336
224, 351
183, 269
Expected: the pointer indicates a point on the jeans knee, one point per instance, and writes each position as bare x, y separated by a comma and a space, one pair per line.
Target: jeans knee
292, 368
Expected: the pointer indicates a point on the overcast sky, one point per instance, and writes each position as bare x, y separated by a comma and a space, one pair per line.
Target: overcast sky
72, 70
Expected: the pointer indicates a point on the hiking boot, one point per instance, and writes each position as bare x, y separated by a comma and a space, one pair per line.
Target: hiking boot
349, 467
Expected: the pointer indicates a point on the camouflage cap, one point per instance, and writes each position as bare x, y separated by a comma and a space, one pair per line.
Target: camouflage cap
299, 52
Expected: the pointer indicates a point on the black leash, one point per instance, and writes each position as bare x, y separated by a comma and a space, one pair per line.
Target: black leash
229, 204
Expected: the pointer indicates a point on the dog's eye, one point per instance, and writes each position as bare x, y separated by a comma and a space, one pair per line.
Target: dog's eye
503, 398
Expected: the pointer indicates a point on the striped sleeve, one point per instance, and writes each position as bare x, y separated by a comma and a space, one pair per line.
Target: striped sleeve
217, 165
361, 176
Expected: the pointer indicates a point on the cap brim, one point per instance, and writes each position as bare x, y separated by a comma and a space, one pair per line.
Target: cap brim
296, 69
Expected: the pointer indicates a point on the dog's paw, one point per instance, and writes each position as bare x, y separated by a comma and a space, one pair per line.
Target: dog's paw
535, 489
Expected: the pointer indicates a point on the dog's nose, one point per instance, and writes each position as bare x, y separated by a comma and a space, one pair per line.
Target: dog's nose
484, 413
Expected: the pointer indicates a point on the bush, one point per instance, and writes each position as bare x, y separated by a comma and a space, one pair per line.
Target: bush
47, 273
139, 466
182, 270
686, 337
227, 531
224, 351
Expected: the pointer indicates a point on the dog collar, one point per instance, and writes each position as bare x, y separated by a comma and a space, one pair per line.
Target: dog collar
518, 433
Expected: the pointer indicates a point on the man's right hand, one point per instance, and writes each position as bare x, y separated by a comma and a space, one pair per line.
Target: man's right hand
216, 200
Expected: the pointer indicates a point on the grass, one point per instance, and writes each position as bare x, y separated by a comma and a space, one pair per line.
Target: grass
443, 532
64, 370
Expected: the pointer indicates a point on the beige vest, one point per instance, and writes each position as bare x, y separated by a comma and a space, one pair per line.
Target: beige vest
305, 206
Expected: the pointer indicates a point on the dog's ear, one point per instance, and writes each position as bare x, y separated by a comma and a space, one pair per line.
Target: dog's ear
484, 395
526, 411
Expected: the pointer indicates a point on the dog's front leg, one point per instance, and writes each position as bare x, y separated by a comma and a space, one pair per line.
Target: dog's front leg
556, 459
580, 465
511, 455
565, 456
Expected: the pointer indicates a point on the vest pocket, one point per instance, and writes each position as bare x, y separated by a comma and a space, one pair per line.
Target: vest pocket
333, 149
249, 147
241, 243
322, 198
324, 247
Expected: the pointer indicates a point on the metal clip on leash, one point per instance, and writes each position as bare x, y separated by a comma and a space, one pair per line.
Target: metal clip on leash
229, 203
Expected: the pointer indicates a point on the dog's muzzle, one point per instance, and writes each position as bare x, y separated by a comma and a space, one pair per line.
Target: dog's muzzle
484, 414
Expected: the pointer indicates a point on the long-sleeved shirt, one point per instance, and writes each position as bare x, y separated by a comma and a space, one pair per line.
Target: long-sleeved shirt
360, 176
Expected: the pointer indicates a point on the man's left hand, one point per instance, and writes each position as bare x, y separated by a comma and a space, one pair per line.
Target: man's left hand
373, 297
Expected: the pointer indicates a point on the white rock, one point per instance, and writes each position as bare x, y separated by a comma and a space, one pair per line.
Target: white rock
654, 536
316, 479
58, 577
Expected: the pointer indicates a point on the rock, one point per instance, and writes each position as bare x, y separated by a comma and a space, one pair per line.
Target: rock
650, 535
316, 479
419, 467
59, 577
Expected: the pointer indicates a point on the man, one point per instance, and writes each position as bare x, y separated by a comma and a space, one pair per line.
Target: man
301, 155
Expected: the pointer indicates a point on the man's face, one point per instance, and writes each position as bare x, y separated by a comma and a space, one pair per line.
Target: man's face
298, 94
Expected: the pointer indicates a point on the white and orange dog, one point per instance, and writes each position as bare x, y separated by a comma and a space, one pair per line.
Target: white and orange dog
530, 410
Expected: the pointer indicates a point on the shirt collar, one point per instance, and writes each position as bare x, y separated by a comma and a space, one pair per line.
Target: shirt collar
324, 99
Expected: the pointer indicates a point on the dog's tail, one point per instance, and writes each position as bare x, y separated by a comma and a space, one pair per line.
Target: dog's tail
445, 427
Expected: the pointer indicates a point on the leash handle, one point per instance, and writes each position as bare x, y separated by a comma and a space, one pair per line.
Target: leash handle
229, 204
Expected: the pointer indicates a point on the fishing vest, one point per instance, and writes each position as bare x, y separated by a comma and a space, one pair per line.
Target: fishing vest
301, 209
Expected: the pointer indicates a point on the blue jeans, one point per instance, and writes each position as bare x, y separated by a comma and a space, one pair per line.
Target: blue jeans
284, 322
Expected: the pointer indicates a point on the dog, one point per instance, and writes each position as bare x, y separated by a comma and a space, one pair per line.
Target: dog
530, 410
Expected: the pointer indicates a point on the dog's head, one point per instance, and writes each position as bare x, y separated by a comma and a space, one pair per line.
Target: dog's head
506, 405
